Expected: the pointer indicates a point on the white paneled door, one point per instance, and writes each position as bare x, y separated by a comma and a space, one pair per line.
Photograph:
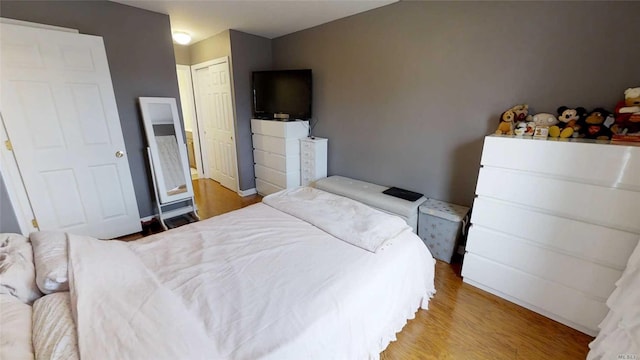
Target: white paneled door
214, 106
59, 110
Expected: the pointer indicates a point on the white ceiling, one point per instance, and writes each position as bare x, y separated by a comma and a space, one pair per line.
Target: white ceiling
266, 18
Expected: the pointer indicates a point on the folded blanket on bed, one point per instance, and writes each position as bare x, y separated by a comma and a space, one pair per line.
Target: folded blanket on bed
346, 219
144, 319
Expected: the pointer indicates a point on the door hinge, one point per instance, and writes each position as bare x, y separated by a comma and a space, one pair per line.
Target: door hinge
34, 222
8, 145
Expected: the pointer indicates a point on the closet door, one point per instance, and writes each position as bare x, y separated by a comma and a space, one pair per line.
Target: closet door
214, 106
59, 110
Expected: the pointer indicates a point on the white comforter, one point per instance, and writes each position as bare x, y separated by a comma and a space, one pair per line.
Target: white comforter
252, 284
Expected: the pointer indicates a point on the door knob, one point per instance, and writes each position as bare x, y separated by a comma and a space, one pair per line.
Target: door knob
119, 153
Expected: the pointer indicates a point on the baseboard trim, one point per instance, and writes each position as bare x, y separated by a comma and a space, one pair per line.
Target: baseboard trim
247, 192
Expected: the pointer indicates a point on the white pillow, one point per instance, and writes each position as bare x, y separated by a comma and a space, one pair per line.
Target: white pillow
17, 271
15, 329
50, 258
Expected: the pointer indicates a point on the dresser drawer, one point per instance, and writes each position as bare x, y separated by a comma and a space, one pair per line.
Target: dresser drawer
612, 165
278, 178
607, 206
590, 278
265, 188
307, 154
283, 129
307, 164
275, 161
276, 145
307, 145
583, 240
552, 299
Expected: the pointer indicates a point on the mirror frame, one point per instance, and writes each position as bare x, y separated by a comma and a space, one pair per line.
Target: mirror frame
145, 103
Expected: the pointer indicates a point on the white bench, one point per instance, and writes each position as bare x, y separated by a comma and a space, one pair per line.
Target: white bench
371, 194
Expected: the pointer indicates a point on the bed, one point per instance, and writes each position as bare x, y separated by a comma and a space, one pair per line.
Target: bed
304, 274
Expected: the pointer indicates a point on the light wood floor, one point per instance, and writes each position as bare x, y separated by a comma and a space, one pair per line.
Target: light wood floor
462, 322
213, 199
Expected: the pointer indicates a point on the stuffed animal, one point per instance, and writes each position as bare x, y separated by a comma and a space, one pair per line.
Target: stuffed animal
506, 123
569, 122
593, 126
627, 113
521, 113
543, 121
524, 128
523, 121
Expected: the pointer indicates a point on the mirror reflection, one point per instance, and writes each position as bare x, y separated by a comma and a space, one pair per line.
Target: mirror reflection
164, 133
167, 149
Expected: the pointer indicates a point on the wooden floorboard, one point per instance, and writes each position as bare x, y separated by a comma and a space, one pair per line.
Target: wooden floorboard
462, 322
213, 199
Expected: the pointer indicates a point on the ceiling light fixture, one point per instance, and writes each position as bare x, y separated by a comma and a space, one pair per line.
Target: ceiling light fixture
181, 37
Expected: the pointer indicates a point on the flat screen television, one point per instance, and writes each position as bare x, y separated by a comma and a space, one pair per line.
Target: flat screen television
282, 92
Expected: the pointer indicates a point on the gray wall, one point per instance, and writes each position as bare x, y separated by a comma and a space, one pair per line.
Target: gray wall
140, 53
405, 93
8, 221
248, 53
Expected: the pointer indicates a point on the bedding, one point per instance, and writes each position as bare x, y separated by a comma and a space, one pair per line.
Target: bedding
17, 271
54, 331
355, 223
15, 329
50, 258
128, 301
257, 283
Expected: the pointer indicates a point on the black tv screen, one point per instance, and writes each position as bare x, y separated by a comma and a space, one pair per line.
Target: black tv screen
282, 92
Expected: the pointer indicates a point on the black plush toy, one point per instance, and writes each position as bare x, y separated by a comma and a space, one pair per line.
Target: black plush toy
570, 120
593, 126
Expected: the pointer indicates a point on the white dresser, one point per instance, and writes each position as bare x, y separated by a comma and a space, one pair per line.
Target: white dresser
276, 153
553, 225
313, 159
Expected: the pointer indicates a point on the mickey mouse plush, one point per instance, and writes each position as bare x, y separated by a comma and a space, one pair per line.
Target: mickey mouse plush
569, 122
593, 125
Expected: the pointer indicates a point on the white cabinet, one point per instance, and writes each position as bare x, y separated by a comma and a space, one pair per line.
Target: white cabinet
313, 159
553, 225
276, 153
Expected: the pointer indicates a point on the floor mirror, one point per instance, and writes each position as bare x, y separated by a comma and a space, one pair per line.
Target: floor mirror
168, 159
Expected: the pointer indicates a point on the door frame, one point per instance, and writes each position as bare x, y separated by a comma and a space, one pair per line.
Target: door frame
191, 103
199, 121
16, 190
9, 171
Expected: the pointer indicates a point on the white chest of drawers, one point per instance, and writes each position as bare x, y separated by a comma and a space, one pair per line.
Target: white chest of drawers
313, 159
276, 153
553, 225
